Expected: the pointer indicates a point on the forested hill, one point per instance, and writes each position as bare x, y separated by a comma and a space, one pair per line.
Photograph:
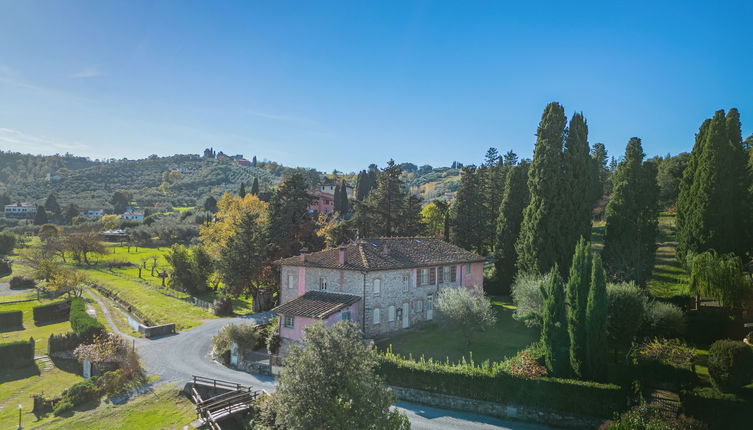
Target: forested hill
16, 167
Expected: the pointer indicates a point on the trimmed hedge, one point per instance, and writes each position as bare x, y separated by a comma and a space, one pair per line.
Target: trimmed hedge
84, 325
17, 354
653, 371
51, 312
21, 283
63, 342
491, 383
719, 411
730, 365
11, 319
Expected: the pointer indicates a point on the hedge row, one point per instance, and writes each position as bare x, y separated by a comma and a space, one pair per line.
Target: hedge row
83, 324
63, 342
719, 411
21, 283
51, 312
17, 354
493, 384
11, 319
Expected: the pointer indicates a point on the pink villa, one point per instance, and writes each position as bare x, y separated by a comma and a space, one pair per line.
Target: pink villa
324, 202
384, 285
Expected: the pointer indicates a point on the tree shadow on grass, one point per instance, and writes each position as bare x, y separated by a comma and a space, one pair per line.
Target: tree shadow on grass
68, 365
9, 375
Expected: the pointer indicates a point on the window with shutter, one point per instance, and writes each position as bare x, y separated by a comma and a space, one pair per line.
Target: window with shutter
391, 313
406, 282
440, 276
377, 316
453, 273
291, 281
424, 277
446, 276
289, 321
377, 287
322, 283
433, 276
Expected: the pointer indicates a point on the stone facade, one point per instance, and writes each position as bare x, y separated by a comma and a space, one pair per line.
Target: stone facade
499, 410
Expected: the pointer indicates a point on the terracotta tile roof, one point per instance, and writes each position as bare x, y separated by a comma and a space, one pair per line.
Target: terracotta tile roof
387, 254
316, 304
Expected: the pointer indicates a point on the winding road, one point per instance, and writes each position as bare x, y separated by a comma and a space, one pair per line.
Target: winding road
176, 358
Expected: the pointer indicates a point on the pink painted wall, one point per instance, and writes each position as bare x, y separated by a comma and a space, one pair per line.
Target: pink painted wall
475, 278
301, 280
325, 202
296, 333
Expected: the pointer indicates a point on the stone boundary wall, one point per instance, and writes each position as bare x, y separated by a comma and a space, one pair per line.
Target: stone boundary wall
157, 330
498, 410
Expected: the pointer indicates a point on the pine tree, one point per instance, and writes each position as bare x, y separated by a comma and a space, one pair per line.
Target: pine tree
492, 176
242, 259
290, 224
380, 214
596, 323
51, 204
411, 223
363, 186
41, 216
242, 190
466, 213
515, 200
715, 190
579, 174
71, 211
601, 172
554, 335
577, 300
255, 187
631, 218
540, 239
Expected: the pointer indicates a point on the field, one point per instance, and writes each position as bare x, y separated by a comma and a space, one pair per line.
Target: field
506, 338
668, 278
39, 333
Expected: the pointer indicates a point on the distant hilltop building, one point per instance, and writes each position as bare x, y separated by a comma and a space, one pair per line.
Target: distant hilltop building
324, 203
20, 209
328, 187
132, 216
93, 213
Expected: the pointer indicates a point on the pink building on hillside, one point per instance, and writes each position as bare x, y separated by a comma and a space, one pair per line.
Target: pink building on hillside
384, 285
324, 203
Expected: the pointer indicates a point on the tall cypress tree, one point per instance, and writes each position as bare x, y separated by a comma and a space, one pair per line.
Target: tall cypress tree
290, 224
336, 198
466, 213
577, 300
363, 186
715, 190
493, 184
380, 214
578, 170
541, 238
41, 216
255, 187
344, 203
242, 190
51, 204
514, 201
411, 223
631, 227
554, 335
596, 323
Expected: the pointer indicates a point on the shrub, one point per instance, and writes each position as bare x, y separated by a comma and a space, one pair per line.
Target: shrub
223, 306
51, 312
248, 337
627, 306
671, 352
11, 319
709, 324
490, 382
83, 324
663, 320
730, 365
645, 417
524, 365
62, 407
7, 243
5, 267
17, 354
272, 336
721, 411
21, 283
63, 342
527, 293
82, 392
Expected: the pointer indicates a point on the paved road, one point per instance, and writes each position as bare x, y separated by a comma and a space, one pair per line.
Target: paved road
176, 358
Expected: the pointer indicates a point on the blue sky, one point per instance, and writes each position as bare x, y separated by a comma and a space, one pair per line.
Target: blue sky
347, 83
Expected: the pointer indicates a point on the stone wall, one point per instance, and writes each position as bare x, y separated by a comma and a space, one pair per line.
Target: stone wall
499, 410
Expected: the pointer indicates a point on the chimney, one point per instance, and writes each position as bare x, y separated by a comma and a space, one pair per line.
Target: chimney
341, 255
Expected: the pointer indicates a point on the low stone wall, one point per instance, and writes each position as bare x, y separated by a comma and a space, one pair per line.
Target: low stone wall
499, 410
157, 330
255, 367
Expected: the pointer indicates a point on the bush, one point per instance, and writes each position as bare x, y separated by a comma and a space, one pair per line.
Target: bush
663, 320
524, 365
17, 354
489, 382
5, 267
7, 243
63, 342
718, 410
684, 302
11, 319
223, 306
645, 417
62, 407
21, 283
272, 336
527, 293
83, 324
82, 392
627, 306
708, 325
51, 312
248, 337
730, 365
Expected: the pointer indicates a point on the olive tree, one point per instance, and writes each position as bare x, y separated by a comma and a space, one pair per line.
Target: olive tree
467, 309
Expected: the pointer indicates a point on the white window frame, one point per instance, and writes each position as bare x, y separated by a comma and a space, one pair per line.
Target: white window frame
291, 281
419, 305
345, 316
376, 316
376, 286
467, 268
289, 321
323, 283
425, 276
446, 275
391, 313
406, 282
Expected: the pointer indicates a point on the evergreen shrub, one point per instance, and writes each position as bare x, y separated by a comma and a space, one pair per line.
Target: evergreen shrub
51, 312
730, 365
83, 324
11, 319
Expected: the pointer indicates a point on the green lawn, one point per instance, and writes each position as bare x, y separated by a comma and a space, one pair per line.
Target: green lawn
39, 333
668, 278
505, 339
164, 408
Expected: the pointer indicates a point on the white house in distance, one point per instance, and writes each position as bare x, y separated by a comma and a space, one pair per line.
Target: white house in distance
384, 285
132, 216
93, 213
20, 209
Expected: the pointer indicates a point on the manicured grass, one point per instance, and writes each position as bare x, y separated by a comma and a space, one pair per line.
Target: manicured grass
503, 340
18, 385
669, 278
597, 235
164, 408
40, 334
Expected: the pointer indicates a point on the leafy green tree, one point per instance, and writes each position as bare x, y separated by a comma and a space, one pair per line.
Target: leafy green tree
632, 217
48, 232
601, 177
516, 198
120, 201
243, 257
291, 227
71, 211
467, 213
433, 219
318, 389
554, 334
5, 198
720, 277
255, 187
540, 242
627, 307
363, 186
189, 268
41, 216
210, 204
578, 171
51, 204
596, 323
7, 243
578, 286
469, 310
669, 174
715, 191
